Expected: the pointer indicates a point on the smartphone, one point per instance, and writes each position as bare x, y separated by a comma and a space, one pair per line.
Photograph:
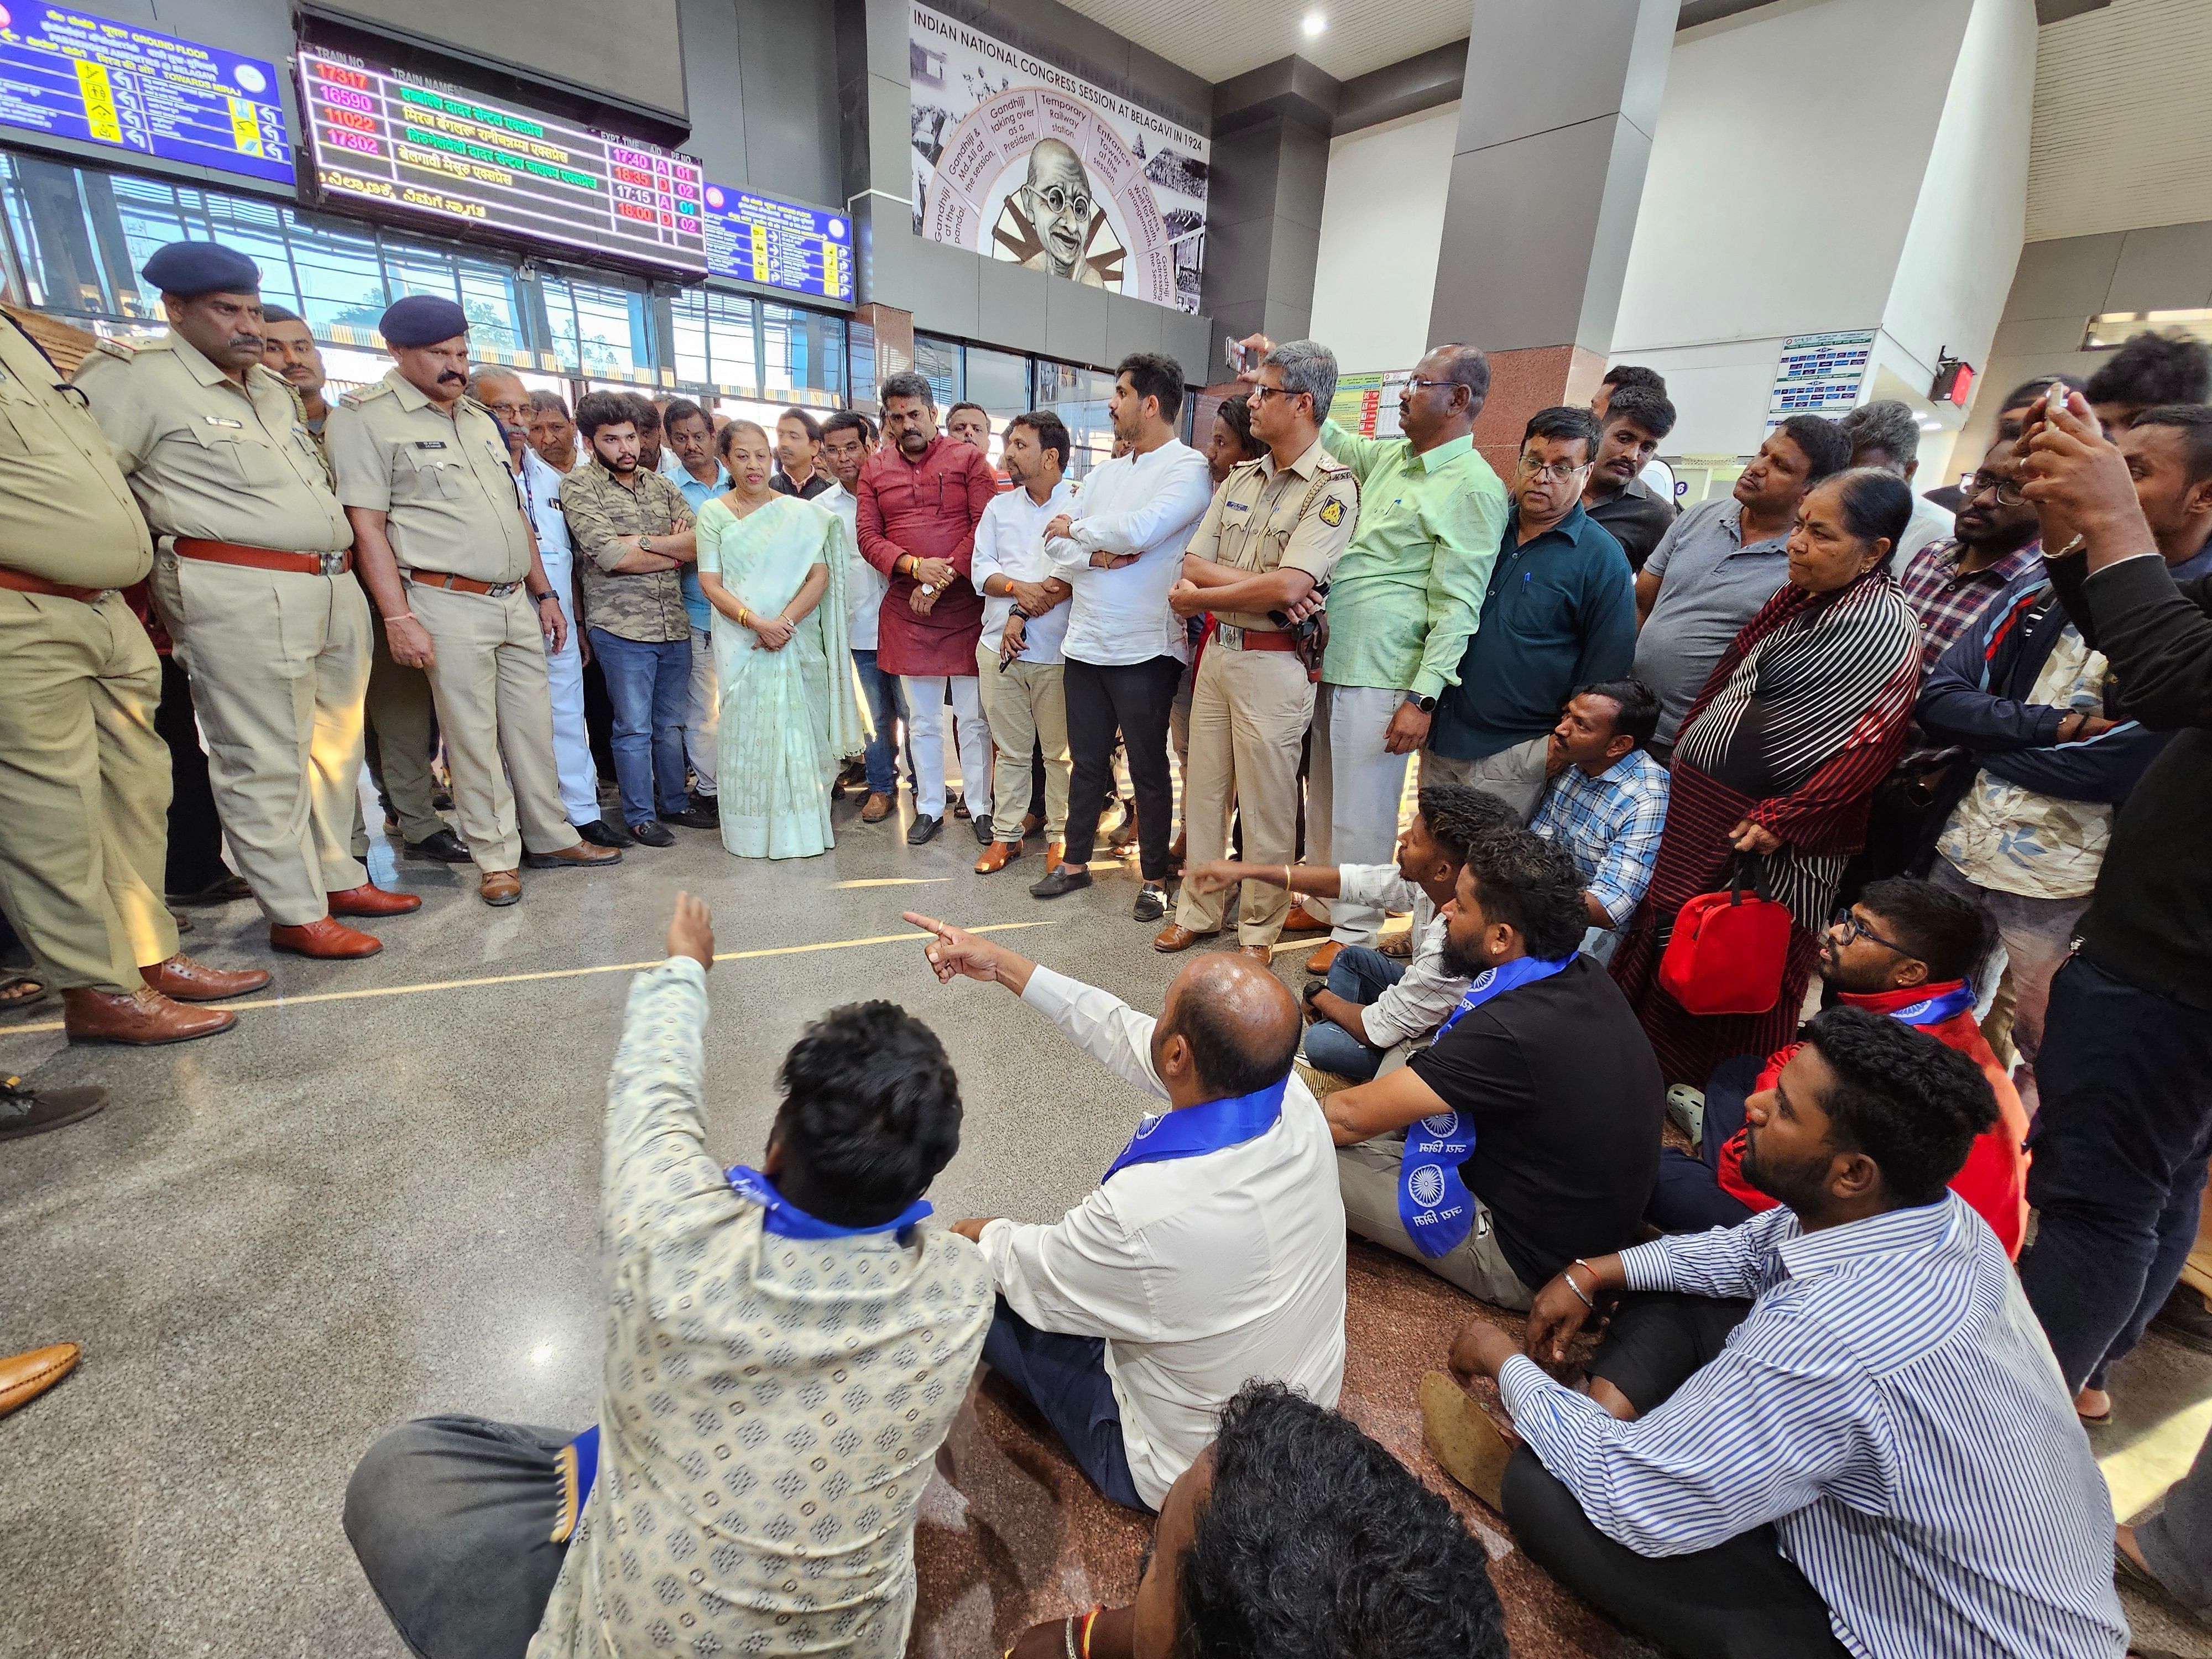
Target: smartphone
1238, 355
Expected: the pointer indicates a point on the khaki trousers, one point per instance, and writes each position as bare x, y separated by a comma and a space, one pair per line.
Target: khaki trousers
1025, 706
1248, 714
84, 790
279, 663
1367, 1175
399, 708
494, 699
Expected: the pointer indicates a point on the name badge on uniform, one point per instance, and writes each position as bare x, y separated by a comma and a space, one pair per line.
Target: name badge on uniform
1236, 507
430, 443
218, 420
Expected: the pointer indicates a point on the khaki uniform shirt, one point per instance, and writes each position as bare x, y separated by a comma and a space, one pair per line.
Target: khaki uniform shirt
446, 484
647, 605
207, 459
65, 513
1265, 517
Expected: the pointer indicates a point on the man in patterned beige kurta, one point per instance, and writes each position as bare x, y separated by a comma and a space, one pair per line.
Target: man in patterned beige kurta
776, 1384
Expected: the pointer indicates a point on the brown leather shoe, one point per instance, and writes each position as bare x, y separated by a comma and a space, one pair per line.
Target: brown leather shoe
1302, 920
1054, 853
370, 900
1032, 823
324, 939
1177, 937
141, 1017
1262, 954
582, 856
878, 808
500, 887
997, 856
25, 1376
182, 979
1325, 958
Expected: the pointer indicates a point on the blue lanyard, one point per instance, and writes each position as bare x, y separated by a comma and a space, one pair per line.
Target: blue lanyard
1497, 981
1933, 1011
1205, 1128
787, 1219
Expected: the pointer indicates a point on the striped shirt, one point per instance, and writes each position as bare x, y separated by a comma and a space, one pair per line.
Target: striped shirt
1891, 1405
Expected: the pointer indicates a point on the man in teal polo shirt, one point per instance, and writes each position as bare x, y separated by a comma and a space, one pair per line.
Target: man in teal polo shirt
1403, 603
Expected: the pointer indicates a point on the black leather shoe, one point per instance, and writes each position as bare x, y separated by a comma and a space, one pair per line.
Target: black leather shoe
924, 828
441, 801
600, 833
695, 817
442, 845
1151, 903
227, 890
652, 834
983, 837
28, 1111
1056, 882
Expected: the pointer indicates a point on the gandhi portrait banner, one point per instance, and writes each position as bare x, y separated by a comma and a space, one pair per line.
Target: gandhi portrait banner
1017, 159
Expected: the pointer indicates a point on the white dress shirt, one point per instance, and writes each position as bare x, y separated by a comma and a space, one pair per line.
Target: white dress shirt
1928, 524
1010, 543
1148, 504
865, 585
1411, 1010
1200, 1272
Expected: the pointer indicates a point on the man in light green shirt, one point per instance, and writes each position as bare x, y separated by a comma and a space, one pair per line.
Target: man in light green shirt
1402, 609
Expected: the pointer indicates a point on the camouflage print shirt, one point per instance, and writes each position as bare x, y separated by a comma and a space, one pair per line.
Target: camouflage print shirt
643, 605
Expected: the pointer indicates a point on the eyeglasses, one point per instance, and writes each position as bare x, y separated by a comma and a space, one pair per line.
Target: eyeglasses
1847, 923
1261, 393
507, 408
1415, 383
2007, 490
1061, 200
1560, 470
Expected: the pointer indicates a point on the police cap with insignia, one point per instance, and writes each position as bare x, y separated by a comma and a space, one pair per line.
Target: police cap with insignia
188, 270
422, 319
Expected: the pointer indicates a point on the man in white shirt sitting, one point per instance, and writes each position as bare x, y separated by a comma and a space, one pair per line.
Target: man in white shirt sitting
1018, 667
1372, 1009
1211, 1253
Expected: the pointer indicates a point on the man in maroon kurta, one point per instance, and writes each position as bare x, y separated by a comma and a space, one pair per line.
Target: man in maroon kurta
921, 495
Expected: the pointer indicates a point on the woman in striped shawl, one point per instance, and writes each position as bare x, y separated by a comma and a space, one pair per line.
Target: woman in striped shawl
1806, 712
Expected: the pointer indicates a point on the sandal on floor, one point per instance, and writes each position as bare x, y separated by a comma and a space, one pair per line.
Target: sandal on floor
22, 991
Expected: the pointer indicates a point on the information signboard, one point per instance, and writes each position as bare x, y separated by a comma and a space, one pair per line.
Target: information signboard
383, 137
1819, 374
71, 74
761, 239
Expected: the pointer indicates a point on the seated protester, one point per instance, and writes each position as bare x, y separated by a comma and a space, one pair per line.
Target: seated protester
1294, 1533
1527, 1133
1605, 802
1211, 1253
1370, 1005
786, 1348
1908, 949
1844, 1434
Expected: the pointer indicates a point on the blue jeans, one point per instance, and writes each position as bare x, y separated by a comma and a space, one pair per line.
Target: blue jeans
1359, 975
649, 684
1064, 1378
886, 708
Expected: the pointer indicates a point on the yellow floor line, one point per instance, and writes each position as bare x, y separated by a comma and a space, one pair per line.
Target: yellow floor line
2141, 1471
891, 881
262, 1004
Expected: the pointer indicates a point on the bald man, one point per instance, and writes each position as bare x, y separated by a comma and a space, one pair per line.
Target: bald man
1056, 200
1211, 1253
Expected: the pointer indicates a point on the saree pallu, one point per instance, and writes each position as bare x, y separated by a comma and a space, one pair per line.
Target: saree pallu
789, 716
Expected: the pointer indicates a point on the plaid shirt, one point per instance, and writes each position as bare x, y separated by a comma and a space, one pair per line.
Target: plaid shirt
1611, 825
1946, 598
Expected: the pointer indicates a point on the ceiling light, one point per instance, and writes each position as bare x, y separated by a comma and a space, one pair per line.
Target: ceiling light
1315, 24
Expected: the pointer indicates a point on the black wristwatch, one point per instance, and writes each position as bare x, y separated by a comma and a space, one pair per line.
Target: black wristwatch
540, 598
1426, 705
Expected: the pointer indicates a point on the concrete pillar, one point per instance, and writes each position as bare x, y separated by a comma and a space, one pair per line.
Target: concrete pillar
1555, 129
1271, 132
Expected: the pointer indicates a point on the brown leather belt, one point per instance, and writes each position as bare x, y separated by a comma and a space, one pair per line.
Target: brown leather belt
264, 558
24, 582
1253, 639
459, 584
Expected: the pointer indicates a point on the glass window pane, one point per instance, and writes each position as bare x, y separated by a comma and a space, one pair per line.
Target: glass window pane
803, 351
999, 380
1080, 396
937, 361
598, 330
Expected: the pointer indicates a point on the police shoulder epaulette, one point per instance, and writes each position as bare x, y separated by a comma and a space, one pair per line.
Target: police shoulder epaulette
121, 350
1334, 471
365, 394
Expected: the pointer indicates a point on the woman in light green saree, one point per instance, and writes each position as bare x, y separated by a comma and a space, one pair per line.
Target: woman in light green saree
774, 568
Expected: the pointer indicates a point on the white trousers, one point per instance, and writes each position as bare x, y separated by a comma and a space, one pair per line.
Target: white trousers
703, 726
1352, 789
564, 669
925, 725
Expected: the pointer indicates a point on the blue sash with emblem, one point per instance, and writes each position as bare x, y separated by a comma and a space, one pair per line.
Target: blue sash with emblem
1433, 1201
1933, 1011
1205, 1128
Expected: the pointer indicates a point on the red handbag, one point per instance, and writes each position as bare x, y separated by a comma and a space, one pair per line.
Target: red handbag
1728, 950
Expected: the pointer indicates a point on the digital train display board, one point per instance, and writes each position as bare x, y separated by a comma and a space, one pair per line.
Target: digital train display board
388, 139
71, 75
763, 239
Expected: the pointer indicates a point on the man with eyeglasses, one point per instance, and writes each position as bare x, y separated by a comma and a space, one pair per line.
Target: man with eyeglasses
1911, 949
1560, 613
1055, 201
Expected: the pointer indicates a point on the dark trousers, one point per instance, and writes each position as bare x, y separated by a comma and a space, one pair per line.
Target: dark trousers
195, 832
1135, 701
452, 1520
2120, 1149
1688, 1196
600, 718
1064, 1378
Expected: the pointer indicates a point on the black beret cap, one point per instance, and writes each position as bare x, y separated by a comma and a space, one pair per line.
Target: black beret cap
422, 319
187, 269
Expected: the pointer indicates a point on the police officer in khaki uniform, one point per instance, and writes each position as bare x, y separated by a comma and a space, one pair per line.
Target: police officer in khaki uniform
84, 781
1275, 530
252, 579
449, 558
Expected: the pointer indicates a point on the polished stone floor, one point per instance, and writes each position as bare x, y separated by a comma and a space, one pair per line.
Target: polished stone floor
375, 1198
